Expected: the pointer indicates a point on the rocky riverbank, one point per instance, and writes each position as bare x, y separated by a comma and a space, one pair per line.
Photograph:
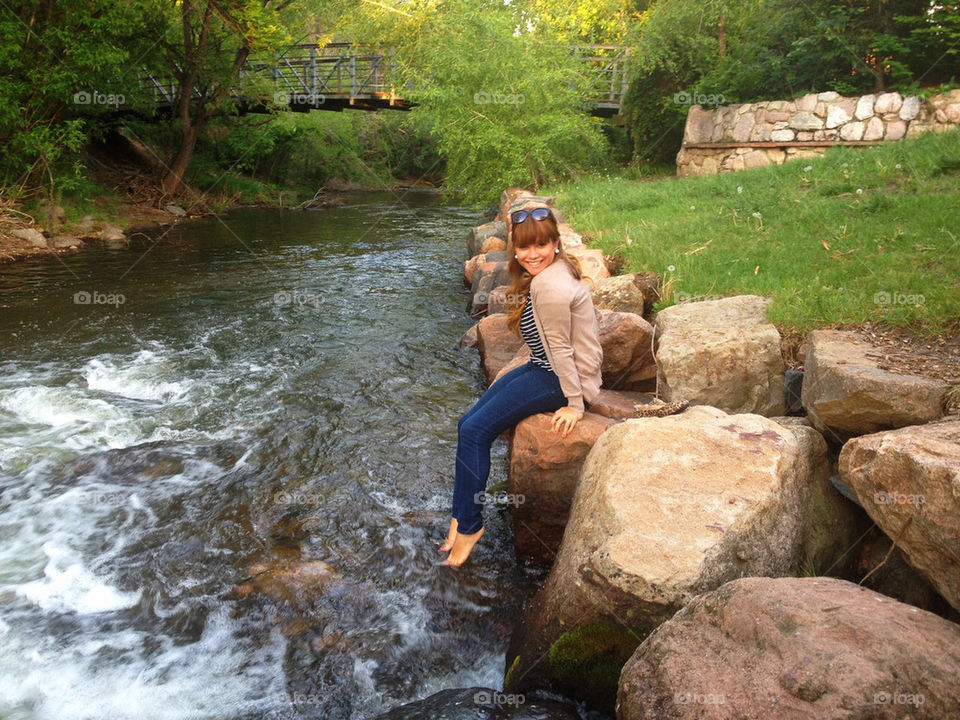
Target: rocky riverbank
723, 561
48, 234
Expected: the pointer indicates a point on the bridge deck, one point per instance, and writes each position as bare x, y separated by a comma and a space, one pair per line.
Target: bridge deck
340, 76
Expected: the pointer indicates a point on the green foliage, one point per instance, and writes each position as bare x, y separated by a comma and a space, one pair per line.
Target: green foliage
59, 68
287, 157
862, 234
730, 52
502, 94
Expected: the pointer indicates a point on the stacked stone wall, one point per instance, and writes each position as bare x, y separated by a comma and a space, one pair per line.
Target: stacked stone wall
750, 135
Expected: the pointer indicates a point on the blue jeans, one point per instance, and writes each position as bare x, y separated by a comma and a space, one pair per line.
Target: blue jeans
522, 392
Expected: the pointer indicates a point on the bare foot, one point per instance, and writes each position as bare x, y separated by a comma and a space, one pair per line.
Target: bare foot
447, 544
462, 547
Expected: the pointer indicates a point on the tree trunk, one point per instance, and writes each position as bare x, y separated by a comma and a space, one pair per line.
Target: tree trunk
174, 175
722, 35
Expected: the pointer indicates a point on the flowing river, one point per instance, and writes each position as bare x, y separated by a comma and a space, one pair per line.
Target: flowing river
263, 388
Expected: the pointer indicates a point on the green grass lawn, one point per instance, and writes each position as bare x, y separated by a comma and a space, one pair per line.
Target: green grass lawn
860, 235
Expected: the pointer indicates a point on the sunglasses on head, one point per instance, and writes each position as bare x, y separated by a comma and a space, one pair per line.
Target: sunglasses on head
540, 213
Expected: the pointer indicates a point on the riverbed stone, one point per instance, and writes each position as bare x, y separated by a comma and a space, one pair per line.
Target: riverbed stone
544, 468
908, 481
722, 353
470, 338
496, 343
292, 582
62, 242
794, 648
479, 703
667, 508
845, 393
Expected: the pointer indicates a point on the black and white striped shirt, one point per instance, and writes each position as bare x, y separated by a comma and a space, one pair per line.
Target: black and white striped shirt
528, 329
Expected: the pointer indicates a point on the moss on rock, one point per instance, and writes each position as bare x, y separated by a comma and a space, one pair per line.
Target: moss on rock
585, 663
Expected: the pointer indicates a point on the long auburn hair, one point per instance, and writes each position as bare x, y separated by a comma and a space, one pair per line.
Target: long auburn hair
528, 233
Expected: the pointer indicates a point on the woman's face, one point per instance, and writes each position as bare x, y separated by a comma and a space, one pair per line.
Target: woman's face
536, 257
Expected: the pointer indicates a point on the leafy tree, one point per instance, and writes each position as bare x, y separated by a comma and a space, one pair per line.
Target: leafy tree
58, 73
207, 43
768, 49
504, 92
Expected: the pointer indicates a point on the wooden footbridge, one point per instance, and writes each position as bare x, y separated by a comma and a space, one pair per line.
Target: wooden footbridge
339, 76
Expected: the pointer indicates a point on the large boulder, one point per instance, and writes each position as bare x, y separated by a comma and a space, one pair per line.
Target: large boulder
618, 405
665, 509
522, 357
722, 353
593, 266
569, 237
544, 468
908, 481
845, 393
794, 648
634, 293
471, 266
497, 344
480, 234
628, 351
488, 276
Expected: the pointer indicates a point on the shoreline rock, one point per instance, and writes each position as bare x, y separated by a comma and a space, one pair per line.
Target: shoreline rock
794, 647
667, 508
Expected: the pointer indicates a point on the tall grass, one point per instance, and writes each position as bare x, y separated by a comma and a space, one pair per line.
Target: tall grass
861, 234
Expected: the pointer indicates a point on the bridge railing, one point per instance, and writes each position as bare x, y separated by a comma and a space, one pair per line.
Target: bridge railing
311, 75
342, 70
610, 65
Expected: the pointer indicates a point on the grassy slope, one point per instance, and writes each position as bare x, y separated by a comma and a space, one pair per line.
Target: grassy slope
862, 234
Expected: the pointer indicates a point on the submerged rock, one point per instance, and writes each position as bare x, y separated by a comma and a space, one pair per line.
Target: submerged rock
794, 648
479, 703
292, 582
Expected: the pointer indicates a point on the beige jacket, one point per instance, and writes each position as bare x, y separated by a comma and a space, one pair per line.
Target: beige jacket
567, 323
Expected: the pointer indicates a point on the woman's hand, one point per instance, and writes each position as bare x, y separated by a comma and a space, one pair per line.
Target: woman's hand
564, 419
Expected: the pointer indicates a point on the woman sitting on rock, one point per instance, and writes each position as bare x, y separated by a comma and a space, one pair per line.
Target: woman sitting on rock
553, 312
